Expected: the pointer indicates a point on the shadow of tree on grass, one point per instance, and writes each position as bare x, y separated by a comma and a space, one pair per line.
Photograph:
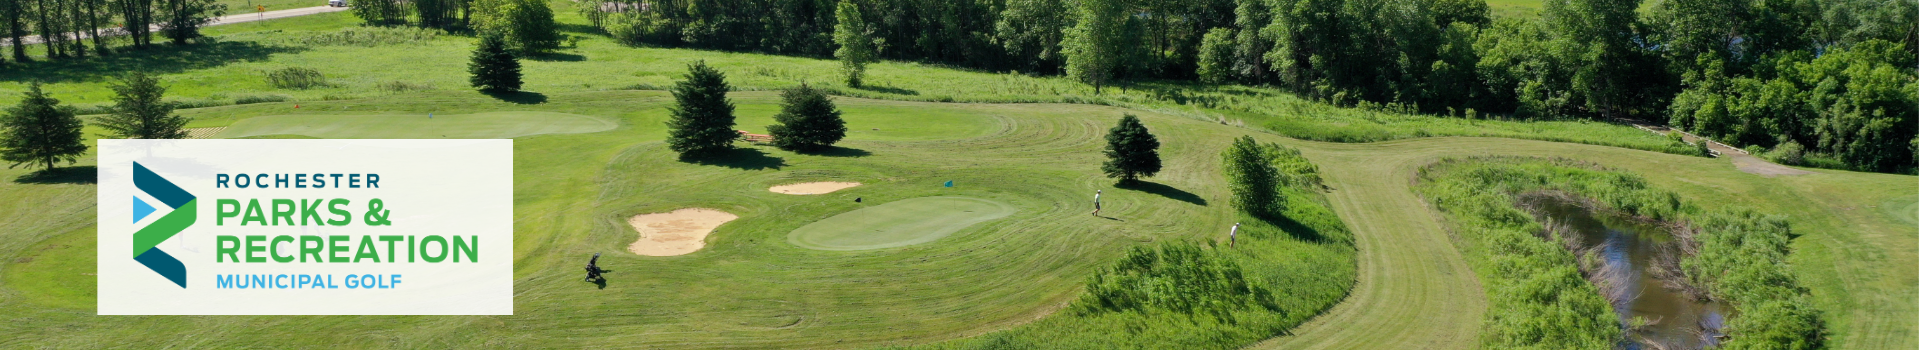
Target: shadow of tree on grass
159, 59
519, 97
739, 158
68, 175
1163, 191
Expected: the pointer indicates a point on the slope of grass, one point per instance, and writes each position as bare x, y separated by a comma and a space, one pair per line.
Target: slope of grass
488, 125
748, 288
233, 68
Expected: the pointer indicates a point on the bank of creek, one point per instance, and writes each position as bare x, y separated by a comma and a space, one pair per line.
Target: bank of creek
1636, 266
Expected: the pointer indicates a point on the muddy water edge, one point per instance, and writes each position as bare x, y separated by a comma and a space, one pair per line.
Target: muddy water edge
1636, 265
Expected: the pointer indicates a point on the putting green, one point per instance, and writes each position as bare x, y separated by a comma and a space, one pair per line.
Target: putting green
490, 125
898, 223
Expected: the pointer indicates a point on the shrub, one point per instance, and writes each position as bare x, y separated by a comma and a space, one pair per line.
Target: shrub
401, 86
808, 121
252, 99
296, 78
1252, 178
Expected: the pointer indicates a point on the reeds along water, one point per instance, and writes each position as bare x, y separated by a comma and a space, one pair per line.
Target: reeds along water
1636, 266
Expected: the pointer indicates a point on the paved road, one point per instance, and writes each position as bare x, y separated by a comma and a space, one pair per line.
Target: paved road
240, 18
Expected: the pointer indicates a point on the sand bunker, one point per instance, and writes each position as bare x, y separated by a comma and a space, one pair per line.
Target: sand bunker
812, 187
677, 232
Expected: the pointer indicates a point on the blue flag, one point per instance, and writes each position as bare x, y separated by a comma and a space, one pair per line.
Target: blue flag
949, 183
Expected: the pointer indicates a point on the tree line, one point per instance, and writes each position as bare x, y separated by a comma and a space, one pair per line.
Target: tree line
1678, 62
65, 27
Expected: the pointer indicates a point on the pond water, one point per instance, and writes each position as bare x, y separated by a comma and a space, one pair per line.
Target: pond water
1631, 259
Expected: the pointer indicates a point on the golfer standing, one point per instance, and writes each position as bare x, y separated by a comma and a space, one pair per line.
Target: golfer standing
1096, 202
1233, 236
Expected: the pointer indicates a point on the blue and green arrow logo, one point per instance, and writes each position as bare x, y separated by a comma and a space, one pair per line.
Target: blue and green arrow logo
183, 205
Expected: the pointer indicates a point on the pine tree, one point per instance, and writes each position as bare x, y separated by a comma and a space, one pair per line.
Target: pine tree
138, 112
808, 121
40, 130
1252, 177
494, 68
857, 46
702, 116
1132, 151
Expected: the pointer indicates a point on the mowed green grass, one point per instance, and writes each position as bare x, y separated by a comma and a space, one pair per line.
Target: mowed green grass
749, 288
898, 223
488, 125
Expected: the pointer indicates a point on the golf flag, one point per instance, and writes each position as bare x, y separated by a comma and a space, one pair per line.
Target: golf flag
949, 183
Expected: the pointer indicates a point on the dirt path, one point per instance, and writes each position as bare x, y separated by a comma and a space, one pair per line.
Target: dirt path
1741, 159
232, 19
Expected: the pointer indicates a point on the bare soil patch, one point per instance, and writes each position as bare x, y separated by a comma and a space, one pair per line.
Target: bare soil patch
677, 232
813, 187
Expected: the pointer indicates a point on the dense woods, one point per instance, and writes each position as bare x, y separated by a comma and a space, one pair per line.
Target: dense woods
1817, 82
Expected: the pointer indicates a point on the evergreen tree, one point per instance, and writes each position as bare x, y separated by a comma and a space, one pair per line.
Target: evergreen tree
138, 112
40, 130
702, 116
494, 69
1132, 151
857, 47
1253, 179
808, 121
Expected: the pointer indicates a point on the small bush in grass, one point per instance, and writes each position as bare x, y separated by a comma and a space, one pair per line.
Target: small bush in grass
252, 99
296, 78
401, 86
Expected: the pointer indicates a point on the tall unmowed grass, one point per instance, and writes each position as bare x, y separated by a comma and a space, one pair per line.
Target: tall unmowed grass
1537, 297
367, 36
296, 78
1216, 294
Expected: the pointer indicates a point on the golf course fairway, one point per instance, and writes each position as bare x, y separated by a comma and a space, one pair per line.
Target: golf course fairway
486, 125
898, 223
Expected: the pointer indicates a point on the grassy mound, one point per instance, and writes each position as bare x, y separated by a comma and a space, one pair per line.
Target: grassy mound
898, 223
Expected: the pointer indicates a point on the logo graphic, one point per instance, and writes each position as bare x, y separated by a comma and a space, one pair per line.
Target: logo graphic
182, 216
